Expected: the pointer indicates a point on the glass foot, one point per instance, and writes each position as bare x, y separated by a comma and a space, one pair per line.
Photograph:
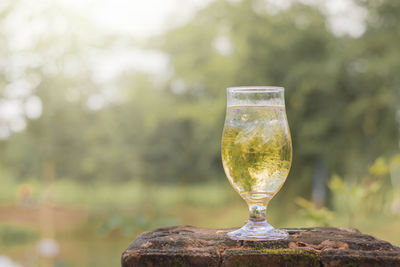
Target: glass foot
258, 231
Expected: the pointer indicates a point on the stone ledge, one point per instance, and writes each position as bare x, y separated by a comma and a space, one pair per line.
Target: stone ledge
325, 246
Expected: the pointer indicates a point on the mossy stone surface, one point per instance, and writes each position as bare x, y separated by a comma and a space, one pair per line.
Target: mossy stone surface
326, 246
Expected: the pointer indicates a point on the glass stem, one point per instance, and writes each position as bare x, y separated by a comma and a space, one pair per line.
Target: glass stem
258, 212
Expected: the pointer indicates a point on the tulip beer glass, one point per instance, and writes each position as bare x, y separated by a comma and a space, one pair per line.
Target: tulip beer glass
256, 153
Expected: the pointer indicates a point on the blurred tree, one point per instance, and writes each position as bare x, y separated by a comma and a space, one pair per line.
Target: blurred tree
342, 93
242, 44
335, 110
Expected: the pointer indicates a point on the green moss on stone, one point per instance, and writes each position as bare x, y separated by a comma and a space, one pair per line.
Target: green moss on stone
290, 256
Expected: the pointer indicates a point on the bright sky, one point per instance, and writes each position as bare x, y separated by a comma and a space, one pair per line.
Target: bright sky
136, 17
346, 17
145, 18
133, 18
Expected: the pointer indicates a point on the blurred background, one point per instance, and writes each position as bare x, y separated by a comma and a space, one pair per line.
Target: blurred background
111, 114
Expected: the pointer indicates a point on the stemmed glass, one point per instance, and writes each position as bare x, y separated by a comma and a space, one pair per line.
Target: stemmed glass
256, 153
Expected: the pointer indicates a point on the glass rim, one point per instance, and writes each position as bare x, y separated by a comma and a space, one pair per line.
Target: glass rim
255, 89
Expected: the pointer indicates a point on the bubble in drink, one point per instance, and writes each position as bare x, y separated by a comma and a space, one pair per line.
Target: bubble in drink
257, 151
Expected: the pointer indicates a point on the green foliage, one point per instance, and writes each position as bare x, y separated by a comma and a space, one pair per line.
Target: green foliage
168, 130
8, 187
355, 200
13, 234
128, 225
314, 215
380, 167
341, 94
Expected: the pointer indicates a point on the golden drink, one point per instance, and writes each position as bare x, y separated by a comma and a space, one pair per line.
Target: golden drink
256, 150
